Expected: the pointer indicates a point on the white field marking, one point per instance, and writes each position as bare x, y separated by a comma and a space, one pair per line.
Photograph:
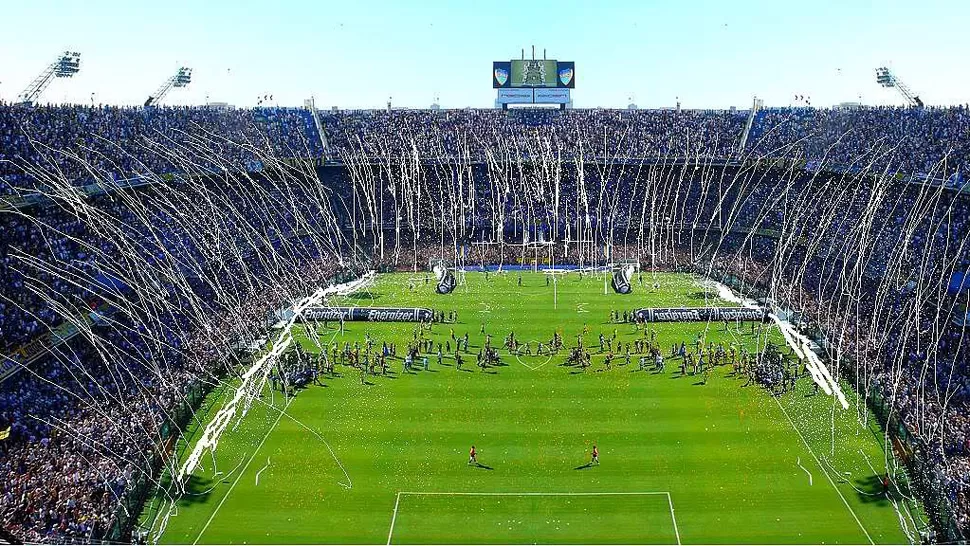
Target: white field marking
822, 468
486, 308
261, 470
397, 501
233, 486
533, 368
581, 308
530, 494
548, 359
673, 518
523, 363
798, 461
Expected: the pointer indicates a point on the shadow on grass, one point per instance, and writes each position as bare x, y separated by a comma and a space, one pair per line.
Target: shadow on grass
585, 466
364, 295
482, 466
197, 490
870, 491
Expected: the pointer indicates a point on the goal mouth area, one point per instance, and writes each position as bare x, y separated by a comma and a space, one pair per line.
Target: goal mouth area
431, 517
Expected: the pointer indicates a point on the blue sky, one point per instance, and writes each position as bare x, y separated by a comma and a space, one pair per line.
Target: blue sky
357, 54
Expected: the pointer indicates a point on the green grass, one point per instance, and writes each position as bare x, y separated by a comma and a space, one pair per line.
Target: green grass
534, 518
734, 465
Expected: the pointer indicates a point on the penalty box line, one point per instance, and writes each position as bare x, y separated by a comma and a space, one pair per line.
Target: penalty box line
397, 500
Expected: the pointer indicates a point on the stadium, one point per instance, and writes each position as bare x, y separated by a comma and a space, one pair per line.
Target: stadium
529, 323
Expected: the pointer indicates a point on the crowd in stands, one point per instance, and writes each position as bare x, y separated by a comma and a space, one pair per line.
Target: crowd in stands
119, 143
114, 143
85, 420
80, 434
590, 134
911, 141
931, 142
24, 313
64, 471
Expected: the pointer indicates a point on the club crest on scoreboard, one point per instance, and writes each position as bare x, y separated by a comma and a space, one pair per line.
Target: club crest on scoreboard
566, 76
501, 76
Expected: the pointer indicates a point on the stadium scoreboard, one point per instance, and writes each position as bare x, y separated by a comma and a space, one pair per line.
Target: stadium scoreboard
533, 81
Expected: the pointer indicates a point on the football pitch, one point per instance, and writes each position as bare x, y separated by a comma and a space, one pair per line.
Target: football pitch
384, 458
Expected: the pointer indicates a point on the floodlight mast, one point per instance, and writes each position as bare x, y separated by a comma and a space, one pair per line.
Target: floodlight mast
181, 78
886, 78
66, 66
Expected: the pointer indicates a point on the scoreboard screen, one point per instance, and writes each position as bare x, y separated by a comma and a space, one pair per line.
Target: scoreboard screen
533, 73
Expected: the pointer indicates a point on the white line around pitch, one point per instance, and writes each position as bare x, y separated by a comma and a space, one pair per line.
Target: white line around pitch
822, 468
390, 533
397, 500
233, 486
532, 494
673, 518
261, 470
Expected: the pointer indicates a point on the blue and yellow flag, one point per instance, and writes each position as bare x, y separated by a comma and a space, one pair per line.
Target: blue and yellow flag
5, 433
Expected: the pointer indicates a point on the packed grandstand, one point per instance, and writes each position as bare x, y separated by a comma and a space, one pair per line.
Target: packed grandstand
141, 246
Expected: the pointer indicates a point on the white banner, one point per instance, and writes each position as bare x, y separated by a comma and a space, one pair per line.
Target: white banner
558, 95
508, 95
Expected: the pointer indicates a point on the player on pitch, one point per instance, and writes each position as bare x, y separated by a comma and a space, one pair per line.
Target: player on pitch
596, 456
472, 456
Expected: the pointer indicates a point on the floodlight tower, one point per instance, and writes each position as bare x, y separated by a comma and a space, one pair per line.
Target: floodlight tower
66, 66
181, 79
887, 79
